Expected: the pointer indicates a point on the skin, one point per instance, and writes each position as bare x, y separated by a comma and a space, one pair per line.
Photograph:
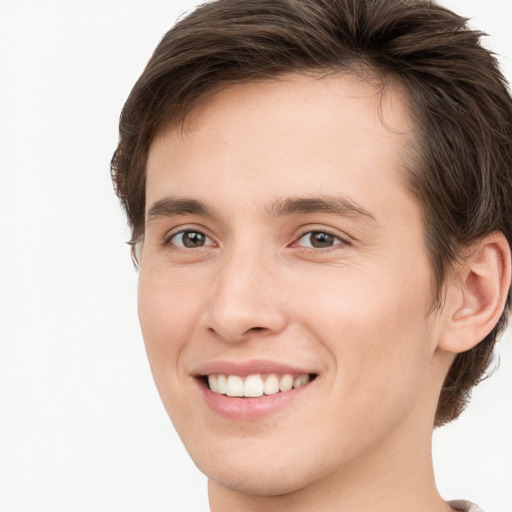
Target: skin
356, 313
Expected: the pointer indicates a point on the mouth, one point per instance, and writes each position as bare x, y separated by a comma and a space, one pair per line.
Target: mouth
253, 389
255, 385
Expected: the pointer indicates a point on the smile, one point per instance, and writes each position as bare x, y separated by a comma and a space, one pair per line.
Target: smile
256, 385
253, 389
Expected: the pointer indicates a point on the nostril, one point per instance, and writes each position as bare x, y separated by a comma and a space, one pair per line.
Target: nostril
253, 330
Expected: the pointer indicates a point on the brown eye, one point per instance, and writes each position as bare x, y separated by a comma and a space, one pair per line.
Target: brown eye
318, 240
190, 239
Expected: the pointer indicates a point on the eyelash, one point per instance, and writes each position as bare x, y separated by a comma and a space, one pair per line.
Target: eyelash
168, 241
338, 241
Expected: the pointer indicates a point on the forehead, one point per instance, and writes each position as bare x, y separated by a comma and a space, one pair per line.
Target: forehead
284, 135
380, 103
343, 93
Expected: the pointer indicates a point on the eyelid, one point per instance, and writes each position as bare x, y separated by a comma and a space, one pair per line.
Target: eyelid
173, 233
344, 240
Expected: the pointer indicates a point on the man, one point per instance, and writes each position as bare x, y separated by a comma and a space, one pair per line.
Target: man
319, 197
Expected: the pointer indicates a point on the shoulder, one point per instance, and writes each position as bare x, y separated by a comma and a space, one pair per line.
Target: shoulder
465, 506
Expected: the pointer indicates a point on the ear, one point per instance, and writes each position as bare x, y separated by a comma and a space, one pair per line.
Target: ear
476, 297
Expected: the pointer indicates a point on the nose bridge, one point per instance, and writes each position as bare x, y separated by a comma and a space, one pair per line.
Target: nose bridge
244, 299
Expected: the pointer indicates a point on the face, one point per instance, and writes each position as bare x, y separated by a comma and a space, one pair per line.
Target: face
284, 261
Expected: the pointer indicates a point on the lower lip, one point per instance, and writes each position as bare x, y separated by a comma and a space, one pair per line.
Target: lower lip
250, 409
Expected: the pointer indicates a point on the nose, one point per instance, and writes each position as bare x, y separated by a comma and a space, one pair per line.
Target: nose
247, 300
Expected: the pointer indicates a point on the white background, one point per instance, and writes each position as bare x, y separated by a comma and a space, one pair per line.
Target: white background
81, 425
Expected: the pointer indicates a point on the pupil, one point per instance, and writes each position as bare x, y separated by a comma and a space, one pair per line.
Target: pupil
193, 239
319, 239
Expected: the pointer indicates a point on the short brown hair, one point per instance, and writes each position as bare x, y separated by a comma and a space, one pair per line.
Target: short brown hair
457, 97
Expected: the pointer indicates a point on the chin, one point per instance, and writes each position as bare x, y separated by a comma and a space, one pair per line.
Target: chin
267, 481
259, 471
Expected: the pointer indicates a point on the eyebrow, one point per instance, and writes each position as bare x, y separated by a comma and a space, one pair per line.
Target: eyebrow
175, 206
335, 204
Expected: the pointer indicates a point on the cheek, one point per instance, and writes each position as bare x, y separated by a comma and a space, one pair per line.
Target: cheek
376, 331
168, 317
167, 314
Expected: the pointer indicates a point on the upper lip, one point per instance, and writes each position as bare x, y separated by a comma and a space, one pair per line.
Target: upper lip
250, 367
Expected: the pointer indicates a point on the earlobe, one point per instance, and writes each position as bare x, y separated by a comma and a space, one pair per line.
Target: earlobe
478, 296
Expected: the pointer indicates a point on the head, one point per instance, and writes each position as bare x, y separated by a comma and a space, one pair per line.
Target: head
455, 95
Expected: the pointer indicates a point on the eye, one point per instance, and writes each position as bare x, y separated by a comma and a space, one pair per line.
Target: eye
189, 239
318, 240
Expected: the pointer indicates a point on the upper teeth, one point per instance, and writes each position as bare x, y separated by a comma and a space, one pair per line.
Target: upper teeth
255, 385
